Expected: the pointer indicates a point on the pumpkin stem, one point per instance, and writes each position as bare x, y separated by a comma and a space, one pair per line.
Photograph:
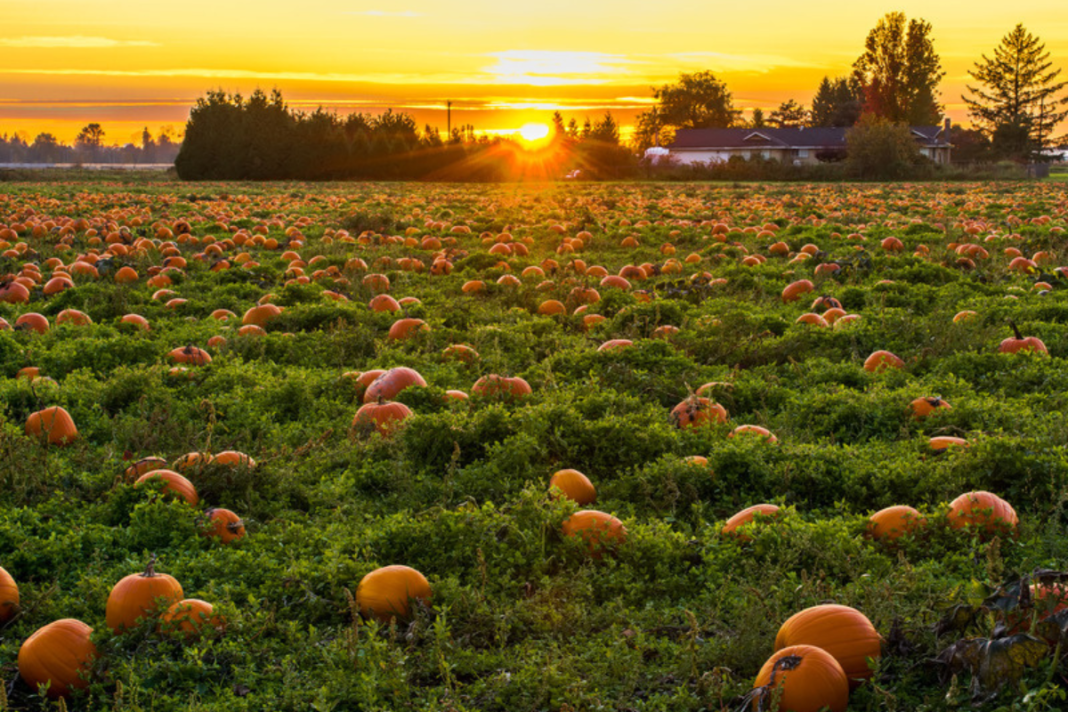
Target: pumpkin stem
235, 527
788, 662
1015, 329
150, 570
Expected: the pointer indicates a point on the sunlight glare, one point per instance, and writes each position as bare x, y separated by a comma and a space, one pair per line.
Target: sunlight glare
532, 133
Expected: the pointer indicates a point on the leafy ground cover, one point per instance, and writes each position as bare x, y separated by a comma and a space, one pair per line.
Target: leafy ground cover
677, 615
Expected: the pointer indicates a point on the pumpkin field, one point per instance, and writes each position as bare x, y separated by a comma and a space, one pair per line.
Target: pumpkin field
565, 447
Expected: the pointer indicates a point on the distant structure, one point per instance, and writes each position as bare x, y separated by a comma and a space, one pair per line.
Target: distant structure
797, 146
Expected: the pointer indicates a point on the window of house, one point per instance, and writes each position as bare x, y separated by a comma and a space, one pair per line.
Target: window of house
765, 155
802, 153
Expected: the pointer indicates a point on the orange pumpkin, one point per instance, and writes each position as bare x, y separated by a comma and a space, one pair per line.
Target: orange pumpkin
384, 418
191, 461
597, 529
260, 315
53, 423
384, 303
893, 522
844, 632
1018, 342
573, 485
696, 411
145, 464
881, 360
985, 511
748, 516
387, 592
190, 355
58, 654
794, 290
222, 523
492, 386
139, 595
406, 328
188, 617
388, 385
923, 406
460, 352
73, 317
137, 321
810, 680
174, 483
9, 596
32, 322
944, 442
754, 430
615, 344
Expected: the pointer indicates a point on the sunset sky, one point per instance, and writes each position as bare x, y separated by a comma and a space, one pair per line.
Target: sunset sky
128, 64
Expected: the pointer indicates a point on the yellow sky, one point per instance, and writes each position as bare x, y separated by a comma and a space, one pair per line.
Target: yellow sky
128, 64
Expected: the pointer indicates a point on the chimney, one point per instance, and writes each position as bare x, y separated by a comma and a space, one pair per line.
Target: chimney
945, 131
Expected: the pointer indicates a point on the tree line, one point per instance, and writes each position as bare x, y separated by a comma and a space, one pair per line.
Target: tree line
89, 147
1015, 102
230, 137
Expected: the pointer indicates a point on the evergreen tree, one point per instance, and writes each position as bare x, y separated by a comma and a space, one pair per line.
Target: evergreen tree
790, 114
837, 102
1017, 104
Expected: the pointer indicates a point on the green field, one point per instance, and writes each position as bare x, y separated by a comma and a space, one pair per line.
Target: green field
676, 615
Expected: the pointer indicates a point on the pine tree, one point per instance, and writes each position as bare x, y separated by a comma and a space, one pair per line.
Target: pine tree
1017, 104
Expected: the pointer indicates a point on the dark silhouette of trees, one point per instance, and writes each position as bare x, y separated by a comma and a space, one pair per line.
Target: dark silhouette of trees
900, 71
790, 114
1017, 104
877, 148
838, 102
695, 101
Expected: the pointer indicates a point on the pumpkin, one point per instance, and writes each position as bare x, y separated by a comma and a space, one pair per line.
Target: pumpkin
597, 529
794, 290
749, 515
145, 464
190, 355
9, 596
387, 592
389, 384
460, 352
844, 632
191, 461
753, 430
1019, 342
58, 654
137, 321
573, 485
406, 328
924, 406
493, 386
53, 423
222, 523
384, 303
32, 322
893, 522
140, 595
260, 315
944, 442
384, 418
28, 372
985, 511
188, 617
881, 360
232, 458
697, 411
174, 483
615, 344
551, 307
73, 317
810, 680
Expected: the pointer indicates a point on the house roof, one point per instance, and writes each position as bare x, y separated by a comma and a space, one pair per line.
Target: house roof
817, 138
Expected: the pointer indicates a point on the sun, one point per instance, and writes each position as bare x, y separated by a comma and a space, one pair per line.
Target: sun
533, 133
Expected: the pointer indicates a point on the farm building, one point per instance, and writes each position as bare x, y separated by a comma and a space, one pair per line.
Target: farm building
788, 145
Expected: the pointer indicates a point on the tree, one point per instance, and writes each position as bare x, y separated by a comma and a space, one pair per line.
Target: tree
838, 102
900, 71
880, 149
1017, 104
758, 121
790, 114
696, 101
45, 149
90, 140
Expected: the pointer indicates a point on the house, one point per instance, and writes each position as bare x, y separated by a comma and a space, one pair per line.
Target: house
797, 146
